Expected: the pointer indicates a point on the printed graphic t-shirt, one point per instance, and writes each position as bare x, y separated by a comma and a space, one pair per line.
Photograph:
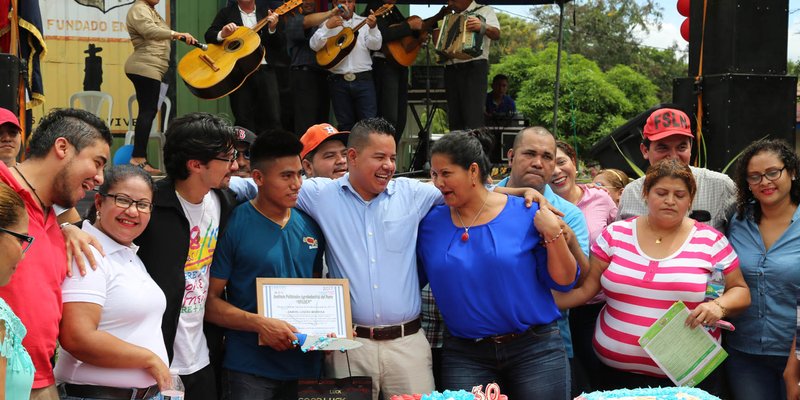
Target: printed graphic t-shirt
190, 348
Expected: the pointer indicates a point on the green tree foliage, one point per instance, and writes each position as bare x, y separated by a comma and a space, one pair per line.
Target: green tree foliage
592, 103
636, 87
661, 66
601, 30
516, 34
793, 67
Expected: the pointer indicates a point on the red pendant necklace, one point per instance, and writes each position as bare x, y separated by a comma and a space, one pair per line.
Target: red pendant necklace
465, 235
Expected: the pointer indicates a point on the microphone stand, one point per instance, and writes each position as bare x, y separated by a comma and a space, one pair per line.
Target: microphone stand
420, 158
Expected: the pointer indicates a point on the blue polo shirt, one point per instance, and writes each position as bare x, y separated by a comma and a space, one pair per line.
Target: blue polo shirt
255, 247
577, 222
373, 243
768, 326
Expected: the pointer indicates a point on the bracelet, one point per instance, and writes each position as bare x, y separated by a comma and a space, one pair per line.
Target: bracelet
721, 307
546, 242
64, 225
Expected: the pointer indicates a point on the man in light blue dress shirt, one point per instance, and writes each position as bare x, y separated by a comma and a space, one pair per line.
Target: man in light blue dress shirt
371, 222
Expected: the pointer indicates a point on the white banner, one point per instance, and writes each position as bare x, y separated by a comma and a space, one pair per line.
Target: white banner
96, 20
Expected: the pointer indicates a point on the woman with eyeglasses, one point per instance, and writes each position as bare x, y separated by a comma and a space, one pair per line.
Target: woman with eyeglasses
16, 367
111, 324
766, 235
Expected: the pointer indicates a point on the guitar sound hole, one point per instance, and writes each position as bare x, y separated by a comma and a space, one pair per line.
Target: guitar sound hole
340, 42
234, 45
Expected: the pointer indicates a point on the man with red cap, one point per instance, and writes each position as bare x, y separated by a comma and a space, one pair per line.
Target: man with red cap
668, 135
10, 137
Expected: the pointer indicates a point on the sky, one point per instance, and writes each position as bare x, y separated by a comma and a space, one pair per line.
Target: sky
670, 24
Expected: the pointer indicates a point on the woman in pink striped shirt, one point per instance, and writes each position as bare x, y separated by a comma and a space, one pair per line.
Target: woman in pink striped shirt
645, 264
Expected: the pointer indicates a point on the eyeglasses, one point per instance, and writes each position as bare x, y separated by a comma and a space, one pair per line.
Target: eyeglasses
25, 241
125, 202
229, 160
771, 175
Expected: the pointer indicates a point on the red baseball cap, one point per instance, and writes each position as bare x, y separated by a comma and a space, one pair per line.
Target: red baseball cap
8, 117
317, 134
666, 122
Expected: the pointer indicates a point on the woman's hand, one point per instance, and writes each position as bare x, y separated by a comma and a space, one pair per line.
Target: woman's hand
187, 37
707, 313
547, 223
78, 242
160, 372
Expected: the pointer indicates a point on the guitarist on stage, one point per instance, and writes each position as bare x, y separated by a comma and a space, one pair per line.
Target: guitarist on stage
391, 78
309, 81
466, 80
351, 81
255, 104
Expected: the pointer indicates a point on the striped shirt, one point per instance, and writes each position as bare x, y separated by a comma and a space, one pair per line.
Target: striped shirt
640, 288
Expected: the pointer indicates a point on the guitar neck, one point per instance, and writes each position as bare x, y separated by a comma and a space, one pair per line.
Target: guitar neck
384, 8
283, 9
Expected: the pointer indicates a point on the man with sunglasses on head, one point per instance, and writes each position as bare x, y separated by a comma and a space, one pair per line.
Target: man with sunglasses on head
190, 208
668, 135
66, 156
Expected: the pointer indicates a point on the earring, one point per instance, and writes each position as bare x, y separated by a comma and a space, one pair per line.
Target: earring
97, 215
473, 183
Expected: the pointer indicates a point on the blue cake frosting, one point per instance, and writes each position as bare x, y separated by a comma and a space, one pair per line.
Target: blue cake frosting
667, 393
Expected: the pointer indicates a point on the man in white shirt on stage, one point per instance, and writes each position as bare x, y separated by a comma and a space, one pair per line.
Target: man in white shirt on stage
351, 87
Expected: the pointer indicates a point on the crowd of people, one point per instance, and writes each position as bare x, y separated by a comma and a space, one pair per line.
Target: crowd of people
539, 282
535, 282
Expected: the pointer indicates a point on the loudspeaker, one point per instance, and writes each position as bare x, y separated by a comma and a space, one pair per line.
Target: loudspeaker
740, 109
741, 36
9, 82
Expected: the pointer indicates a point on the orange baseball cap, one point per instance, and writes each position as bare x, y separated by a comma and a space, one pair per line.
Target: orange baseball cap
317, 134
666, 122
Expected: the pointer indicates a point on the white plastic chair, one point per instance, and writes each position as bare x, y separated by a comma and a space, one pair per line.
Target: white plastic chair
92, 101
156, 131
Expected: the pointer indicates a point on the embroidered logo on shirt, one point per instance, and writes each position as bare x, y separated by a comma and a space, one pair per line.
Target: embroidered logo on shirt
311, 242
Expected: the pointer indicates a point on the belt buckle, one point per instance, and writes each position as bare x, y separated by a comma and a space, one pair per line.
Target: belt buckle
349, 76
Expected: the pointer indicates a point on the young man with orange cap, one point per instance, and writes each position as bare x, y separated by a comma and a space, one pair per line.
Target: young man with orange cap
668, 135
324, 152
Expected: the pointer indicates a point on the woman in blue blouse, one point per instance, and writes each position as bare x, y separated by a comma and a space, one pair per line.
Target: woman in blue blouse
16, 367
491, 263
765, 235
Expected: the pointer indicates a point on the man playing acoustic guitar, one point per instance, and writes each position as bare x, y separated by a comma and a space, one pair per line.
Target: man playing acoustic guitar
255, 103
351, 87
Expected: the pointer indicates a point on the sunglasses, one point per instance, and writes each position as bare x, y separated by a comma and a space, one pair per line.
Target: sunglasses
25, 241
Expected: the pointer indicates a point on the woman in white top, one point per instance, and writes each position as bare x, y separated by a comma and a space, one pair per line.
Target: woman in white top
111, 325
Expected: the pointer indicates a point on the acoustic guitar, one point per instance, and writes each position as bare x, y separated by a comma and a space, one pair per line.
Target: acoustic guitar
405, 50
339, 46
221, 69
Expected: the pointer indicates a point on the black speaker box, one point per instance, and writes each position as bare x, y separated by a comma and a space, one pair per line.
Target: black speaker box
9, 82
740, 109
741, 36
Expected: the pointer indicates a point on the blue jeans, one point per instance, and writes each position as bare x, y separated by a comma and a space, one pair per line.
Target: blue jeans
244, 386
531, 366
753, 376
352, 101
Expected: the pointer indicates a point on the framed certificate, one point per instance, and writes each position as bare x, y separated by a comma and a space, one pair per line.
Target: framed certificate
313, 306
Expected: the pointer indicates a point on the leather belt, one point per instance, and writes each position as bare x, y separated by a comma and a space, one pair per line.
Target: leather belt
388, 332
107, 392
350, 77
508, 337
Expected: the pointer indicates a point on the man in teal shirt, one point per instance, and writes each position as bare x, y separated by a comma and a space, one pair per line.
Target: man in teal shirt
532, 160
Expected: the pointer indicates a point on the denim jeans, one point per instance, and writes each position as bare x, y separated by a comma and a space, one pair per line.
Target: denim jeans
753, 376
244, 386
531, 366
352, 101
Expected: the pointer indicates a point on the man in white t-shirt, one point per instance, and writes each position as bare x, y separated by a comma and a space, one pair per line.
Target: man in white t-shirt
190, 209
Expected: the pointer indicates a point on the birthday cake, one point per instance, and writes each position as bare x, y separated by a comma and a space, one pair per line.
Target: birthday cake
492, 393
667, 393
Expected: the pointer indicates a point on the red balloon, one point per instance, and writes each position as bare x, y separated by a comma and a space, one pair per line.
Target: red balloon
683, 7
685, 29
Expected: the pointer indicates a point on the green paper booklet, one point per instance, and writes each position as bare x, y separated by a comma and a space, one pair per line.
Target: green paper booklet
686, 355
